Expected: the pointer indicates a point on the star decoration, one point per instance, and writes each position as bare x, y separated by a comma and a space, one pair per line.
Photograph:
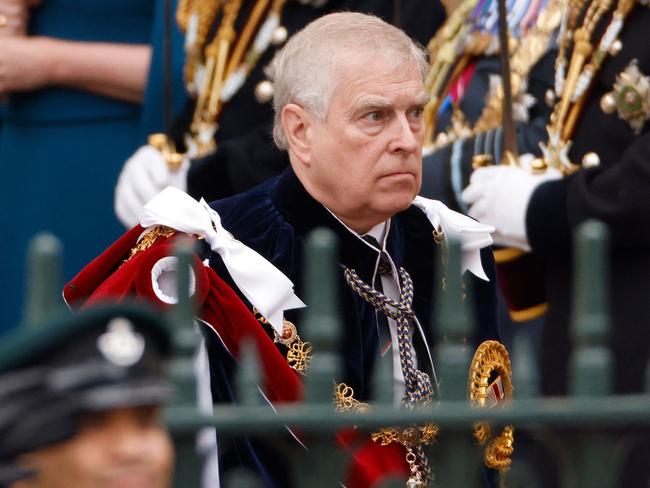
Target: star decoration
632, 96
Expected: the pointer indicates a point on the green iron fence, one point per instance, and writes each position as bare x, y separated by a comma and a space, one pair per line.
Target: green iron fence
588, 434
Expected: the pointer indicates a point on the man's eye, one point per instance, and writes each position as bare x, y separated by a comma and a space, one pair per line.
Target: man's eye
417, 112
376, 116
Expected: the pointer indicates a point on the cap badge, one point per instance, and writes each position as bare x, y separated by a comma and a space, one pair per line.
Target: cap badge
120, 344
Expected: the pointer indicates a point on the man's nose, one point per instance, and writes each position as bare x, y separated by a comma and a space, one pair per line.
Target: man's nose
407, 137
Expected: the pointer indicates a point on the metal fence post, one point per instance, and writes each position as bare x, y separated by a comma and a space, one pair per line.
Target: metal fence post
457, 459
188, 464
591, 361
43, 279
322, 466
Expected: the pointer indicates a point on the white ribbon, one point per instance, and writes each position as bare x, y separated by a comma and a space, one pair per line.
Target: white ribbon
472, 235
264, 285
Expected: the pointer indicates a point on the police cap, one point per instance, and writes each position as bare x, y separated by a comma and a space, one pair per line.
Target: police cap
98, 359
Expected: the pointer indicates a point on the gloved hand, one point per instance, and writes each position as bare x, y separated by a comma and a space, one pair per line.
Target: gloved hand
144, 175
499, 196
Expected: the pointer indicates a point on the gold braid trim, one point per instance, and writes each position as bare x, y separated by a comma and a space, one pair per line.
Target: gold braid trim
183, 13
491, 357
498, 453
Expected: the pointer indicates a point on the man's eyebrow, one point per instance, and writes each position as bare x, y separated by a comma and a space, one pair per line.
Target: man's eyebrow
423, 99
372, 103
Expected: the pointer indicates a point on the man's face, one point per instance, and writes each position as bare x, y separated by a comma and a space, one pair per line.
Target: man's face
366, 157
121, 448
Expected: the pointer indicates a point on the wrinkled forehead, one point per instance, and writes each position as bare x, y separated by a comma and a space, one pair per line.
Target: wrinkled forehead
358, 78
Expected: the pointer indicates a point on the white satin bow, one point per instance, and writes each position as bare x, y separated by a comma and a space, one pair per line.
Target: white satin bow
472, 234
264, 285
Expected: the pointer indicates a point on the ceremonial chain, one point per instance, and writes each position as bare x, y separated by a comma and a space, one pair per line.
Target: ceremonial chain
299, 353
419, 390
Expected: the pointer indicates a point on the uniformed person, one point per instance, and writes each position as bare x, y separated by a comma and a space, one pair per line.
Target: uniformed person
595, 165
599, 141
80, 402
353, 132
464, 116
348, 105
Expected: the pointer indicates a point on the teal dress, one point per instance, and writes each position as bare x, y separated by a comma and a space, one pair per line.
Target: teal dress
61, 149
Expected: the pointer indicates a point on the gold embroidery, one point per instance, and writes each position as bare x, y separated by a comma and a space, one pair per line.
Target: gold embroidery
490, 383
149, 238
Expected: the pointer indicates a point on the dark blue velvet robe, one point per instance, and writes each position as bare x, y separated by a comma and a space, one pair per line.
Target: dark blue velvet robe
274, 219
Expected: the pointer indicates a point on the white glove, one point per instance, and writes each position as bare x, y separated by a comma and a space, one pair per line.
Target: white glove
499, 196
144, 175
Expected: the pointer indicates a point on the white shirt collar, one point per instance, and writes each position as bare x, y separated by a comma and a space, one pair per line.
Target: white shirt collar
379, 231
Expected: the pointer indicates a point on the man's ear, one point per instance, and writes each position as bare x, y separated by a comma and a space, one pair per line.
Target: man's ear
296, 122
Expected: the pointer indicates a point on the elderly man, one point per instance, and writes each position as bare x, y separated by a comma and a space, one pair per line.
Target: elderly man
244, 155
80, 402
349, 98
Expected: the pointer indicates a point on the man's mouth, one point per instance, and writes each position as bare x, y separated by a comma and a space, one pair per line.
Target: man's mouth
397, 174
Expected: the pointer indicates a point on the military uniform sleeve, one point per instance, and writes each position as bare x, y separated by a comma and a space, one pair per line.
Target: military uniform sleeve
447, 170
616, 191
616, 194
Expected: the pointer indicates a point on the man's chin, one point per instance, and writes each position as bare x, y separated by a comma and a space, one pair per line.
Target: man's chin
398, 201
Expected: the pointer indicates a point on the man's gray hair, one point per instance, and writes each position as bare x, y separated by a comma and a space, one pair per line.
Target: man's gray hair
305, 69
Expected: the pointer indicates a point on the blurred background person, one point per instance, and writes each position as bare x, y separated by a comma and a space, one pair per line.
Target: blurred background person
74, 84
80, 402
